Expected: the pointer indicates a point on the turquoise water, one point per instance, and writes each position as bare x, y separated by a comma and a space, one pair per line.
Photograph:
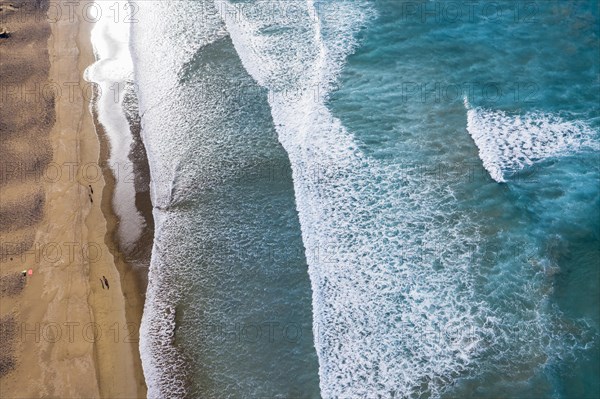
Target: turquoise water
402, 95
371, 199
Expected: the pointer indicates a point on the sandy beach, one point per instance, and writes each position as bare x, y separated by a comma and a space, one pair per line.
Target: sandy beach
64, 333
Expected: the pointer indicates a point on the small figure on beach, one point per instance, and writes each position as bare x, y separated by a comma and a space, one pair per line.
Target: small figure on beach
106, 282
102, 282
4, 33
91, 189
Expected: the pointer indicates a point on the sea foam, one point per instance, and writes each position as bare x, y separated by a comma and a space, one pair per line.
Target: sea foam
508, 143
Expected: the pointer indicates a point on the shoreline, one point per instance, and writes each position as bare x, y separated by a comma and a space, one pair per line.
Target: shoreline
134, 278
71, 336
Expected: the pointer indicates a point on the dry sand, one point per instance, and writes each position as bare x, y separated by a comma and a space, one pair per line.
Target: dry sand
62, 334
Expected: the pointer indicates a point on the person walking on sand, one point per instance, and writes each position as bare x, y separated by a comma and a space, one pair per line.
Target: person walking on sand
102, 282
106, 282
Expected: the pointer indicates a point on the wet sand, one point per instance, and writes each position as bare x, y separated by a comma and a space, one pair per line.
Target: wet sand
62, 332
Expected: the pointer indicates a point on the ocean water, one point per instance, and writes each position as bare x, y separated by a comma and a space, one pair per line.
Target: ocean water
371, 198
522, 83
228, 304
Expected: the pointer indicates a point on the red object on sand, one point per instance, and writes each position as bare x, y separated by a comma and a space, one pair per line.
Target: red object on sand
30, 272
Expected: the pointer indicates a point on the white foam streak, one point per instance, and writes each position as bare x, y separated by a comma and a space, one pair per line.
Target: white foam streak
508, 143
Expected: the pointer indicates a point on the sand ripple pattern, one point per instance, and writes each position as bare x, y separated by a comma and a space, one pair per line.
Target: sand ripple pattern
26, 117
